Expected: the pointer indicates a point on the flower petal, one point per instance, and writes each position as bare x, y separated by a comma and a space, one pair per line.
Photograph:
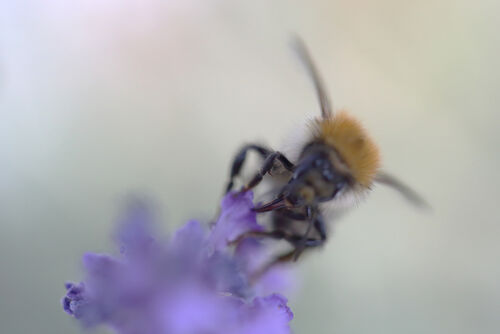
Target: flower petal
236, 218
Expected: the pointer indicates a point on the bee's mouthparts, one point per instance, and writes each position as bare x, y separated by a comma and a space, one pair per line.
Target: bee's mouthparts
278, 203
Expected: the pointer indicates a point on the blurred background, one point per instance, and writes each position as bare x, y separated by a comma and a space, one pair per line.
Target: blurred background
102, 99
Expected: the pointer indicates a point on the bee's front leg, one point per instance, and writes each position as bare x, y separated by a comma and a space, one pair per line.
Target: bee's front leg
239, 159
267, 166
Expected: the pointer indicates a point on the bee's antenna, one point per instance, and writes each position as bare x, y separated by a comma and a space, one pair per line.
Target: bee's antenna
299, 46
411, 195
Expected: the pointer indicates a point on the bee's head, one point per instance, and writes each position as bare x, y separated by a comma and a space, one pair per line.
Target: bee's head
315, 180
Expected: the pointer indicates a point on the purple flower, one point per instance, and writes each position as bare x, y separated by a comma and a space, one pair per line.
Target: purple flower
191, 283
235, 219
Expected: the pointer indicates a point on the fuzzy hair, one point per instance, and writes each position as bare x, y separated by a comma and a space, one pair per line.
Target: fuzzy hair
346, 135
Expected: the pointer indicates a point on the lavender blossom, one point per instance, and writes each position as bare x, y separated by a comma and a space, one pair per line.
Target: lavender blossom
191, 283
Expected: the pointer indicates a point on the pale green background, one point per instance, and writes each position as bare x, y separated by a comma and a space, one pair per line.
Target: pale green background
100, 99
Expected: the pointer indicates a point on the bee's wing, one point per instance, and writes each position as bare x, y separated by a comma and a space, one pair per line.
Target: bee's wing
324, 101
408, 193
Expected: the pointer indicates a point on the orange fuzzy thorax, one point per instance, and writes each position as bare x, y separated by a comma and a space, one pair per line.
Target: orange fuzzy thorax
354, 146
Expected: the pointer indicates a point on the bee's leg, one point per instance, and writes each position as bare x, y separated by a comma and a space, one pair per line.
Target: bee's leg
277, 234
287, 213
304, 242
291, 255
285, 257
267, 166
307, 243
319, 225
260, 234
300, 245
240, 159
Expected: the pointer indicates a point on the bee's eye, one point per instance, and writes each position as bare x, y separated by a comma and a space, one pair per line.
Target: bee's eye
327, 174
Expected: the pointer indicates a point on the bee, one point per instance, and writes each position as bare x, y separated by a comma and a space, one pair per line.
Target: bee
337, 166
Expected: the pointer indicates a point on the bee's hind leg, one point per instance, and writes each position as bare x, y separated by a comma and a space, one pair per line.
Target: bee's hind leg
239, 159
278, 235
286, 257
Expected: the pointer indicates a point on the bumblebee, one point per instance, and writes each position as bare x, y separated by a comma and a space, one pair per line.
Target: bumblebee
336, 166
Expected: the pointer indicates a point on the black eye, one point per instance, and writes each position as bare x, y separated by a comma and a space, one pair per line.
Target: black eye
327, 174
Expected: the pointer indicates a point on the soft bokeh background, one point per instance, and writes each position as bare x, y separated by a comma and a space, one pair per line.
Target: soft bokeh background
100, 99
